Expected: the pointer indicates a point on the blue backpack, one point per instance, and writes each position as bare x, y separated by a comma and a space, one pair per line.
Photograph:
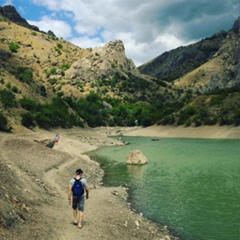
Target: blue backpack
77, 188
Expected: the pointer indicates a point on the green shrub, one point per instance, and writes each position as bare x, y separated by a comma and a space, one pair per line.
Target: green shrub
8, 85
4, 124
54, 114
58, 50
28, 120
168, 120
29, 104
188, 112
51, 71
8, 99
236, 118
15, 89
53, 81
13, 47
65, 66
24, 75
59, 45
42, 91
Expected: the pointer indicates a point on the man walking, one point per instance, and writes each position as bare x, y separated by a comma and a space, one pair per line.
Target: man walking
77, 188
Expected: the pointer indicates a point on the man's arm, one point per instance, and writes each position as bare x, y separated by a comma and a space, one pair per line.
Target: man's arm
87, 192
69, 194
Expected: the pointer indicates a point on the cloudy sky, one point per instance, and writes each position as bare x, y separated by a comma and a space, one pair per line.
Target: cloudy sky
147, 27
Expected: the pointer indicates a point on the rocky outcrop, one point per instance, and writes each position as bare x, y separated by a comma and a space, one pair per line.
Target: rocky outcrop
229, 54
236, 26
10, 13
136, 157
178, 62
103, 63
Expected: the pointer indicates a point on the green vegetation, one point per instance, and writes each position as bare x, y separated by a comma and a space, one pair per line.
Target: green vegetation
48, 115
65, 66
96, 110
58, 48
4, 124
59, 45
7, 98
24, 74
42, 91
51, 71
28, 120
13, 47
53, 81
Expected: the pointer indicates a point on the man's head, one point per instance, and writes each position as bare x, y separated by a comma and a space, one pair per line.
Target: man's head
79, 171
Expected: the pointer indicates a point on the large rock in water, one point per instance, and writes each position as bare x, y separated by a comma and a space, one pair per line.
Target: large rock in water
136, 157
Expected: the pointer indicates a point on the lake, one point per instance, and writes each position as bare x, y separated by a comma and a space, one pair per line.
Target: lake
190, 185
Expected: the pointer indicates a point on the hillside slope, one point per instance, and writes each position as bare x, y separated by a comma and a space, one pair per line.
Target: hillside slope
38, 67
177, 62
222, 47
48, 82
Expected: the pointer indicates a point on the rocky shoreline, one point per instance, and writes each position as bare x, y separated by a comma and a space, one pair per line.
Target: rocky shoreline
42, 175
37, 207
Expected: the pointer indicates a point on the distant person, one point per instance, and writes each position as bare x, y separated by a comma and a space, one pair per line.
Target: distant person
76, 196
56, 138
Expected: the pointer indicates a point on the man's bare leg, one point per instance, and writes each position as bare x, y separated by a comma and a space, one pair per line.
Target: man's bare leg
80, 219
75, 216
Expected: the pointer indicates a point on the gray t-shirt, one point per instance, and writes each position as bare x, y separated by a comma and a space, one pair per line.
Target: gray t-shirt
83, 181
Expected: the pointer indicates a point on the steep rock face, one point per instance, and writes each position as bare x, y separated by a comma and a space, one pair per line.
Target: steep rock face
229, 53
222, 71
236, 26
178, 62
103, 63
10, 13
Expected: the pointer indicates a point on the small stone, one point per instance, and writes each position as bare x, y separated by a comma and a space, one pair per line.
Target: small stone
137, 223
125, 224
116, 193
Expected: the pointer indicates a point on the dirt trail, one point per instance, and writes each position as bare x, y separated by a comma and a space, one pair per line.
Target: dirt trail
34, 180
37, 207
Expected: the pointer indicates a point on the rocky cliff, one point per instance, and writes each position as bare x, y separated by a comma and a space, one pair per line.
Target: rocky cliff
11, 14
179, 62
103, 63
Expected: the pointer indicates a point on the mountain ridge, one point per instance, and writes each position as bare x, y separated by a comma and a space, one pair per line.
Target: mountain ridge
48, 82
172, 65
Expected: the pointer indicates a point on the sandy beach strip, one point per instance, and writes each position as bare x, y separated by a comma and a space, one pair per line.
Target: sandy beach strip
210, 132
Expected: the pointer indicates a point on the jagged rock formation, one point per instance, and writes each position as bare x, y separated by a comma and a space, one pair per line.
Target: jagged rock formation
103, 63
236, 26
10, 13
212, 63
136, 157
176, 63
222, 71
229, 55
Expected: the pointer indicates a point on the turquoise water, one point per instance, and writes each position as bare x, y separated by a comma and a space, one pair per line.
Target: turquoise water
190, 185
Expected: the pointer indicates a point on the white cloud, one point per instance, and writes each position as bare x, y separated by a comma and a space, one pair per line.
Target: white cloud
147, 28
59, 28
8, 2
86, 42
50, 4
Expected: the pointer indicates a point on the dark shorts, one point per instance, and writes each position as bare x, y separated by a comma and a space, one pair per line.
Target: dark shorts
78, 203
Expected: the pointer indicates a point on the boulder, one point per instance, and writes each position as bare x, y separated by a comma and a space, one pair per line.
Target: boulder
136, 157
